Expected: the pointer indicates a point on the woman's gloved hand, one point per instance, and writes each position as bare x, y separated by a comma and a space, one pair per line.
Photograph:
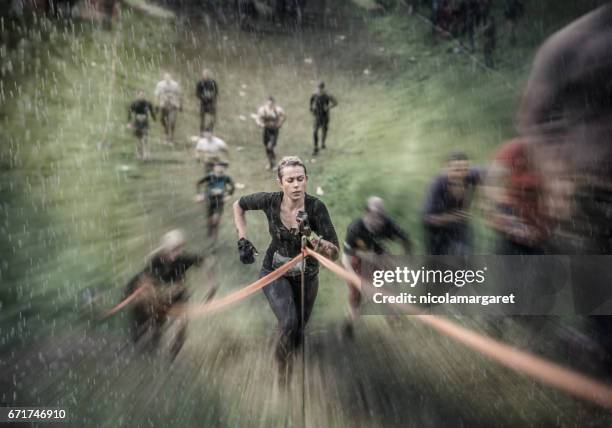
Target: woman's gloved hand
247, 251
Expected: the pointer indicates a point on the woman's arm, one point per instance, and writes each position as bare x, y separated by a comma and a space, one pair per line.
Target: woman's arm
327, 249
327, 243
240, 220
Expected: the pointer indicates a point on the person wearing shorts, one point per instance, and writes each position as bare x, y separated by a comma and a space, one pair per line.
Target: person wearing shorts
210, 150
207, 91
270, 117
138, 120
219, 187
320, 104
168, 101
366, 236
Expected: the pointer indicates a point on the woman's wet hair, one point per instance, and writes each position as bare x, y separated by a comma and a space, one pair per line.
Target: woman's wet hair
288, 161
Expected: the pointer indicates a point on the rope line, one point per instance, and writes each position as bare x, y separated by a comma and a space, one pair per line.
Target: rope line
538, 368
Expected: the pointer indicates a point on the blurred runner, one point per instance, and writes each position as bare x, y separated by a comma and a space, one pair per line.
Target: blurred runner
207, 92
565, 113
320, 104
292, 214
138, 118
447, 208
168, 101
164, 277
513, 201
365, 236
218, 188
209, 150
270, 117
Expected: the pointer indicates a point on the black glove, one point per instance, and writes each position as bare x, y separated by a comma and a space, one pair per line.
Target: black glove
303, 224
247, 251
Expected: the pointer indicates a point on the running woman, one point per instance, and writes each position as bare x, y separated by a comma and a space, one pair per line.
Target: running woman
138, 120
446, 216
320, 104
291, 214
270, 117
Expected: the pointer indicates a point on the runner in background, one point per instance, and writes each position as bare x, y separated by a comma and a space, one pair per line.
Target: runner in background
446, 214
270, 117
209, 150
218, 188
168, 102
320, 104
138, 120
292, 214
365, 237
565, 115
207, 91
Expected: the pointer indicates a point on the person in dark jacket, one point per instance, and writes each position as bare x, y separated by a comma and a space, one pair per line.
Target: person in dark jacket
207, 91
164, 281
446, 215
138, 120
320, 105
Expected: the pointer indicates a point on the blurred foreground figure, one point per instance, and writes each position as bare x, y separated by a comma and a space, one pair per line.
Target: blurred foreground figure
164, 277
219, 187
446, 214
294, 217
168, 101
138, 118
365, 237
566, 113
514, 201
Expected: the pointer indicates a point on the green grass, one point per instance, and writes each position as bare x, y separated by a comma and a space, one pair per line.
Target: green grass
80, 212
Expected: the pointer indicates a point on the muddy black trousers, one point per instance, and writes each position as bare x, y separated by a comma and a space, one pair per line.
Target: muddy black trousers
284, 296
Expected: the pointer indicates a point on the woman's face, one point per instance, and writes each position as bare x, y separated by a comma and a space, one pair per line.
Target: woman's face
293, 182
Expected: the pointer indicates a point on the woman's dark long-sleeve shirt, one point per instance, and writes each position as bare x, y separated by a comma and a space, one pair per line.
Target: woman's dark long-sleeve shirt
284, 241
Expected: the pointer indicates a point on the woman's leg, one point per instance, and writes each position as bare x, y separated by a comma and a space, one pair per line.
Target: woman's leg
311, 288
282, 301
